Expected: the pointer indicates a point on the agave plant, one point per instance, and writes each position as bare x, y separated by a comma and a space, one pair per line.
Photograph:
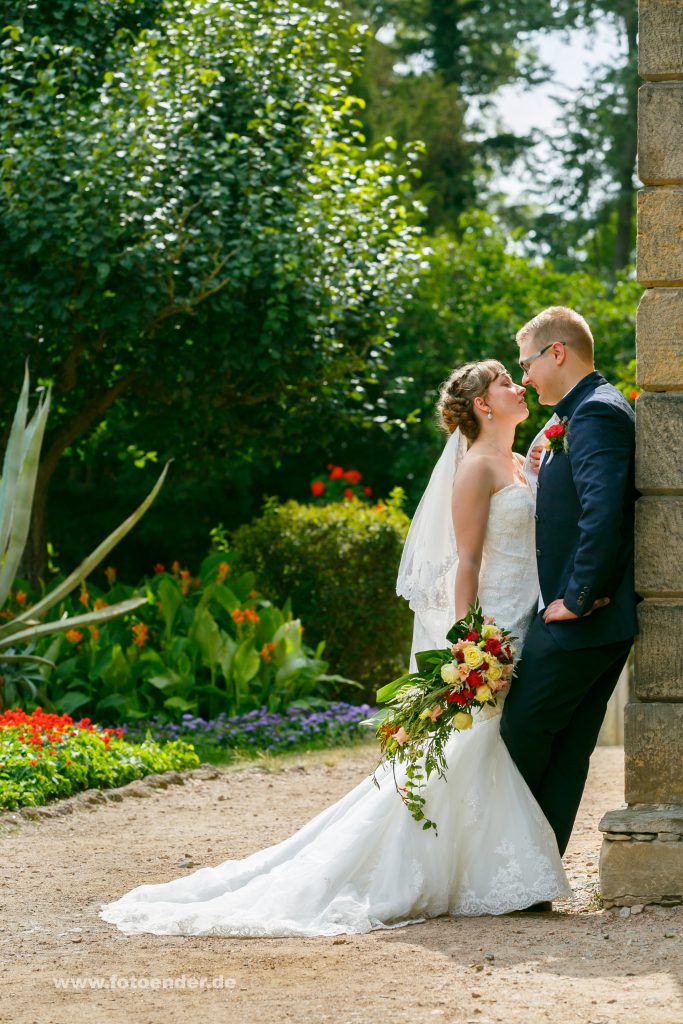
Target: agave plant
17, 488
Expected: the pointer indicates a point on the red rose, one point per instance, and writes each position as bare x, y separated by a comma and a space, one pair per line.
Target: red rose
460, 698
493, 646
459, 657
367, 491
472, 636
348, 493
353, 476
557, 430
475, 679
317, 488
336, 473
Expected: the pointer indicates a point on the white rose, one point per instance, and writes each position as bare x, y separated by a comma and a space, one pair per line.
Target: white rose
449, 673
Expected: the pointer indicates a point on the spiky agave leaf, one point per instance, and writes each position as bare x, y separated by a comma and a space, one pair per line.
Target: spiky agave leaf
84, 569
19, 480
62, 625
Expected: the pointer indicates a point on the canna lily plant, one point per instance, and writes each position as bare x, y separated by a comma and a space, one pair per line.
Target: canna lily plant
17, 486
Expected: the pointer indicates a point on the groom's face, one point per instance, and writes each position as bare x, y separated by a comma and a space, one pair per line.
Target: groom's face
539, 371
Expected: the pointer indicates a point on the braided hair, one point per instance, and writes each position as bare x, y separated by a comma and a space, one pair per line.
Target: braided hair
455, 406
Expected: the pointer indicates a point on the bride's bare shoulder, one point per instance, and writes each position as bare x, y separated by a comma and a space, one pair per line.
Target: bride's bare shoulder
477, 469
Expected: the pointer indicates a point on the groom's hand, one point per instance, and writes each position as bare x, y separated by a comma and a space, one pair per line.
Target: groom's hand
557, 612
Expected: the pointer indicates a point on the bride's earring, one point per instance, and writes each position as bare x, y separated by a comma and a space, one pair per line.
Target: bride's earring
490, 415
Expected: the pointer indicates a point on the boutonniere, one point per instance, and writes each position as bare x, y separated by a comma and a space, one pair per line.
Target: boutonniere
557, 436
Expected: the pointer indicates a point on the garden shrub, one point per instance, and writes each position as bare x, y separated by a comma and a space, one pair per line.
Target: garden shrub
338, 565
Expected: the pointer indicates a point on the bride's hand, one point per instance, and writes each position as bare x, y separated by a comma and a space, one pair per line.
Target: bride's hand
535, 457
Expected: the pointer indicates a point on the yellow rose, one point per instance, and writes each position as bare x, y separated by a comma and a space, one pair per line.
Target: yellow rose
463, 720
473, 657
495, 671
484, 693
489, 631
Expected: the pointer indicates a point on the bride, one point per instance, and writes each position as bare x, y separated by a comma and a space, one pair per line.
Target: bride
364, 863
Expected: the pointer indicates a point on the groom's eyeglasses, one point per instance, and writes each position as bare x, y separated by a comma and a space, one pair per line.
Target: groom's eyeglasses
524, 363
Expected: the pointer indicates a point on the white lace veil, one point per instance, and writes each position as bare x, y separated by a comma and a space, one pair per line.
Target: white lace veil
426, 575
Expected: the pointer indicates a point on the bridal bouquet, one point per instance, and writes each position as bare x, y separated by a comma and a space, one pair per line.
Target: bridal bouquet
424, 707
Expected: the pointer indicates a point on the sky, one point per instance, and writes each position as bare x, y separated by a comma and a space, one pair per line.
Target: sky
569, 54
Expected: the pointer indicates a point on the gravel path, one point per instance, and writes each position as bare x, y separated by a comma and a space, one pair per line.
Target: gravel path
579, 964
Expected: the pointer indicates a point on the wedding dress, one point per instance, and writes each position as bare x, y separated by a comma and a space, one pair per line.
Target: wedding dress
364, 863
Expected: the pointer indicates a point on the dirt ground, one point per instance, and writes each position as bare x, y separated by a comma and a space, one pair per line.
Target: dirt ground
578, 964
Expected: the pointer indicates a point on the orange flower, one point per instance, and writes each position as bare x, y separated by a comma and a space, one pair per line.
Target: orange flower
100, 603
253, 593
223, 570
110, 573
94, 633
266, 652
353, 476
85, 597
633, 394
251, 616
348, 493
20, 597
73, 636
140, 633
238, 616
175, 567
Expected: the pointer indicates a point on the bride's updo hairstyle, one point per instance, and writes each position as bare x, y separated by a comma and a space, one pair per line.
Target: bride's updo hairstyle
455, 407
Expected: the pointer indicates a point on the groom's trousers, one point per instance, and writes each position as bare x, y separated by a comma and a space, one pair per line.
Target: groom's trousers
552, 717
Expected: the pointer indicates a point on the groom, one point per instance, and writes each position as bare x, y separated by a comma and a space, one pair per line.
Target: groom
580, 638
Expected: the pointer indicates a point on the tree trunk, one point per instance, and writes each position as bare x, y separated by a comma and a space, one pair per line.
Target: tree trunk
623, 244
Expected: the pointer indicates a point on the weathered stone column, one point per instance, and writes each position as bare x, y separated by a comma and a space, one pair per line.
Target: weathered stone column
642, 852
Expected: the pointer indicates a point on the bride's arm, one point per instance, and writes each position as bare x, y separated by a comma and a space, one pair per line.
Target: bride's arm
472, 490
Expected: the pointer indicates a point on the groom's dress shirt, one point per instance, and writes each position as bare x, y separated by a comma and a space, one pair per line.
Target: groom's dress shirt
584, 516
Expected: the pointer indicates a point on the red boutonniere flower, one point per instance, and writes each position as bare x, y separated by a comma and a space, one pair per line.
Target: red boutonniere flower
558, 436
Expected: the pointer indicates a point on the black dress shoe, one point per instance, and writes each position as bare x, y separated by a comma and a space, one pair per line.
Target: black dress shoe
538, 908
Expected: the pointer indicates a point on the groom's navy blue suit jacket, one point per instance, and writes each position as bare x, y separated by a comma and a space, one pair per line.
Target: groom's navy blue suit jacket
584, 517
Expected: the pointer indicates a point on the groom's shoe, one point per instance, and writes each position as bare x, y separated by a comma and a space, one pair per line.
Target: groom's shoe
538, 908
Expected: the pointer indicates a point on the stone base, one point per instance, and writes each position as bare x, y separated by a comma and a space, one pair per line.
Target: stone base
641, 860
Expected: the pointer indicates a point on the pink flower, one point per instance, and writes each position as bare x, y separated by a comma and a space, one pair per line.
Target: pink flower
435, 712
401, 736
489, 620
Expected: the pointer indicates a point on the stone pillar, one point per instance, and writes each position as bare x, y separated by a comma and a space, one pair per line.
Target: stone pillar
642, 851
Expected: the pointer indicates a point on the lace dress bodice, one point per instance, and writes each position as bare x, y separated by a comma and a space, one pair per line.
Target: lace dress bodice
508, 578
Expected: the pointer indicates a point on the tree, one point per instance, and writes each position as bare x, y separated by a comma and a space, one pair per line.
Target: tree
190, 222
478, 292
596, 141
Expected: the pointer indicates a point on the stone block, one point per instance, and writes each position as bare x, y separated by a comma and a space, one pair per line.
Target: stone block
624, 821
658, 667
635, 873
659, 546
660, 133
660, 40
659, 447
653, 753
659, 243
659, 340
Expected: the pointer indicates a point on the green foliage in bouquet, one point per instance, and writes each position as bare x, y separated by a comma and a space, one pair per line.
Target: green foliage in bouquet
200, 645
424, 707
338, 565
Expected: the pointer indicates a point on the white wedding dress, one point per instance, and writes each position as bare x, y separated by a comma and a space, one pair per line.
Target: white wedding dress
364, 863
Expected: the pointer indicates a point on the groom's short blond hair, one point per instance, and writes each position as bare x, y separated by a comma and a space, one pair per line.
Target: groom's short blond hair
559, 323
